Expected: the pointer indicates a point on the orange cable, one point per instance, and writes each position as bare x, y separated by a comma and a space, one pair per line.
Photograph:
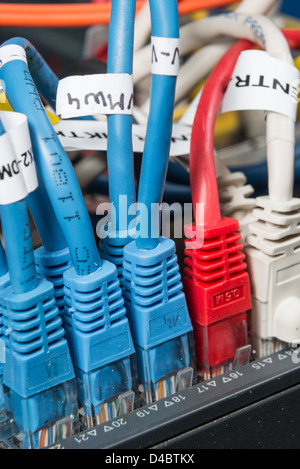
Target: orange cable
190, 6
76, 15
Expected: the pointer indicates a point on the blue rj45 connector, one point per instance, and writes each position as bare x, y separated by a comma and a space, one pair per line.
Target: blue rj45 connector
38, 374
51, 266
88, 279
156, 306
159, 319
100, 343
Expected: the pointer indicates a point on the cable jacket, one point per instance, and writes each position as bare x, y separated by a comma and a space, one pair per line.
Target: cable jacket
18, 246
81, 15
202, 167
164, 19
119, 145
44, 217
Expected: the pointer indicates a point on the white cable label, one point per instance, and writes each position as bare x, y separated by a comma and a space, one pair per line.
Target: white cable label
89, 95
17, 166
165, 56
12, 52
92, 135
262, 82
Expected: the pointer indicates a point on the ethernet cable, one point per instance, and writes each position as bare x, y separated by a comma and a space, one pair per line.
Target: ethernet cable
52, 258
94, 317
233, 191
38, 371
273, 240
190, 44
216, 283
275, 43
62, 187
204, 59
43, 76
211, 53
122, 191
155, 303
275, 232
77, 15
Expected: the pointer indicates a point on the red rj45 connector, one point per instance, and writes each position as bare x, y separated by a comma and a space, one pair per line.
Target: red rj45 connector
218, 295
216, 285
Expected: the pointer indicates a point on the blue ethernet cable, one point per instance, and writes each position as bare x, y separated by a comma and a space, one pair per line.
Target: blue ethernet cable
39, 204
96, 327
52, 258
43, 76
155, 303
155, 159
119, 145
45, 79
55, 168
38, 374
15, 246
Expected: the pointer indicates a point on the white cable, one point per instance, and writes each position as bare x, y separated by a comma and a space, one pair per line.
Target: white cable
198, 66
280, 129
256, 28
142, 27
203, 61
90, 167
142, 59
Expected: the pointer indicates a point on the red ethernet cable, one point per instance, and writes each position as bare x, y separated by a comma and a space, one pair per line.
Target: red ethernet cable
216, 284
293, 37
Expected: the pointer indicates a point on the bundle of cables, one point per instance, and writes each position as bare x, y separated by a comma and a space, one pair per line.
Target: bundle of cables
90, 331
93, 311
37, 373
212, 253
